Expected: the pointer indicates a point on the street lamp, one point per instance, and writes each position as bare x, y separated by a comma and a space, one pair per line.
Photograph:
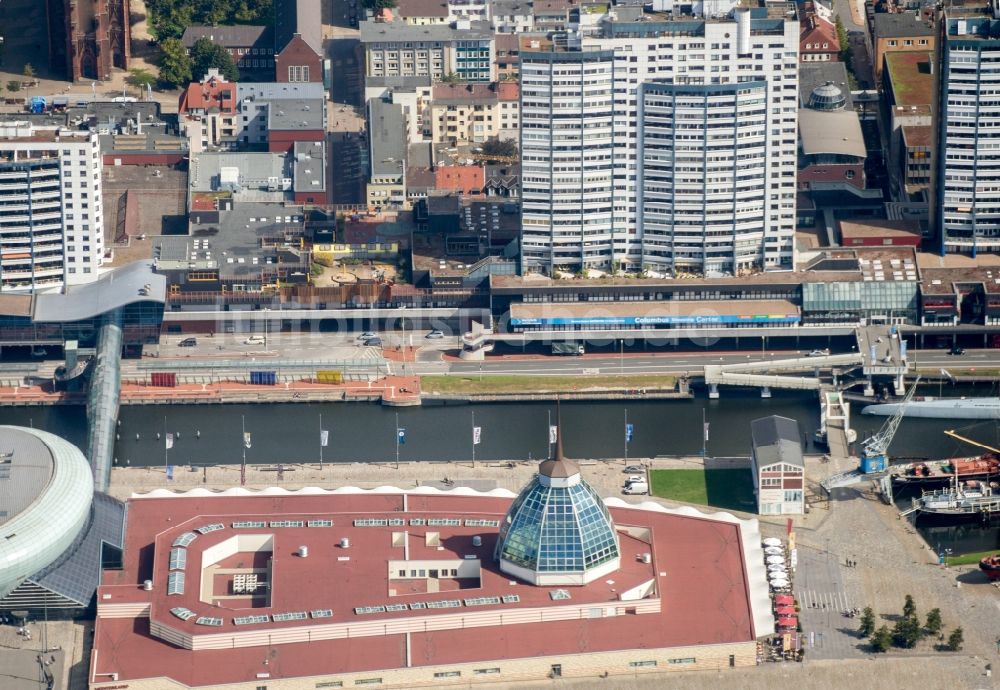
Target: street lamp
621, 361
266, 310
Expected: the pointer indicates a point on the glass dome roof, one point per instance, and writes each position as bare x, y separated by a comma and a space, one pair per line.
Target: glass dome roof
827, 96
558, 530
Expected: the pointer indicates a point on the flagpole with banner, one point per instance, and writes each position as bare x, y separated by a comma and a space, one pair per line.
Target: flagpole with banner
553, 434
324, 438
167, 442
400, 439
246, 444
477, 435
629, 430
704, 435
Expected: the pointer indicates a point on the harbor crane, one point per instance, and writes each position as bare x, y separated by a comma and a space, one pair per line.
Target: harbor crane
874, 451
951, 432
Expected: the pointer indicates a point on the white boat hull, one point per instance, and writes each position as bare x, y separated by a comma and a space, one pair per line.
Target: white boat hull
944, 408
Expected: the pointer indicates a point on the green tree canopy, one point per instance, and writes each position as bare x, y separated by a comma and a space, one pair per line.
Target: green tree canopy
881, 639
909, 607
376, 5
13, 86
934, 623
867, 622
140, 78
175, 63
955, 640
169, 18
205, 55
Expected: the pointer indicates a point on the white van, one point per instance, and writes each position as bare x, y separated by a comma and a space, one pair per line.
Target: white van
636, 488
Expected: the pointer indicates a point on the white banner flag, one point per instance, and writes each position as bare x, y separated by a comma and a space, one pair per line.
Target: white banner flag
170, 441
324, 437
246, 439
553, 433
706, 431
477, 433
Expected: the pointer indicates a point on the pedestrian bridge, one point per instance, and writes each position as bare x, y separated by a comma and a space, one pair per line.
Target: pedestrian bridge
749, 373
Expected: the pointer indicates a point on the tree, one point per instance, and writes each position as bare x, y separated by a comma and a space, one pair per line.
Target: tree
955, 640
906, 633
206, 55
845, 43
909, 607
934, 623
13, 86
451, 78
175, 63
169, 18
29, 72
376, 5
140, 78
881, 639
867, 622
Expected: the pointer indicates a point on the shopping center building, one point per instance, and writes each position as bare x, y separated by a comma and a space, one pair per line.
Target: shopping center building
393, 588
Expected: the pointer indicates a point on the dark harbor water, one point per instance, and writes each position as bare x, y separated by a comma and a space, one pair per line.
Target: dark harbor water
213, 434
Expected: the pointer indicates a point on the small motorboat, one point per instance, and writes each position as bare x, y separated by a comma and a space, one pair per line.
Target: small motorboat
775, 559
774, 551
779, 584
991, 566
777, 568
771, 541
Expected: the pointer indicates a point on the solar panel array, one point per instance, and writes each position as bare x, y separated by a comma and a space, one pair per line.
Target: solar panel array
287, 523
175, 583
319, 523
249, 524
185, 539
446, 604
251, 620
178, 558
205, 620
482, 601
183, 613
214, 527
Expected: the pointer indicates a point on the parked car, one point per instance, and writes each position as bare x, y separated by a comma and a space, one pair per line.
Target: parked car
633, 469
188, 342
434, 335
372, 342
634, 479
254, 340
39, 352
366, 335
956, 350
819, 353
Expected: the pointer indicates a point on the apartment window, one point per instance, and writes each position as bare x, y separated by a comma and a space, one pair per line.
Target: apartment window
298, 73
368, 681
485, 671
641, 664
330, 684
892, 44
447, 674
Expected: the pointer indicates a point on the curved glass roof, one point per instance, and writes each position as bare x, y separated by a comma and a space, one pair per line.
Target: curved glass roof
41, 531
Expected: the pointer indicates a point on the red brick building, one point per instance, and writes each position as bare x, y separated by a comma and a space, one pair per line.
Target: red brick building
90, 37
298, 62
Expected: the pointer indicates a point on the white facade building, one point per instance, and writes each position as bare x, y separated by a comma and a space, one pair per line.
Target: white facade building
968, 212
51, 217
734, 209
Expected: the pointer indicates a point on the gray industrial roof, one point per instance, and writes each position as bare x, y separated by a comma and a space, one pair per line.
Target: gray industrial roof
387, 127
116, 288
228, 36
814, 74
310, 166
255, 169
776, 439
901, 25
234, 244
831, 132
377, 32
296, 113
298, 17
269, 91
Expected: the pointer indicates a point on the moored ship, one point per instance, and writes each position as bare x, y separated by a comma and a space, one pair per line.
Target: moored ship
941, 472
940, 408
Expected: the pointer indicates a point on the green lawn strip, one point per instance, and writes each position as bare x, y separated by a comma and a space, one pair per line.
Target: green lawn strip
968, 558
490, 384
730, 489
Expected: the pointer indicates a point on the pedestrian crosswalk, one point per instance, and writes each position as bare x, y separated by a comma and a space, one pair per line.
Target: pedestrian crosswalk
811, 599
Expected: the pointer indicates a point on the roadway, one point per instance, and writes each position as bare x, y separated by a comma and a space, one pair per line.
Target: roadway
431, 357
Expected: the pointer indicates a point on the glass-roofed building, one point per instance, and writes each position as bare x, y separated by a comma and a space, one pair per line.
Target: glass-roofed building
558, 530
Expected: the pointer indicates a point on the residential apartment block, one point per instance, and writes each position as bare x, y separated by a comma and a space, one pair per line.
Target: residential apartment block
51, 218
463, 114
968, 180
462, 48
661, 144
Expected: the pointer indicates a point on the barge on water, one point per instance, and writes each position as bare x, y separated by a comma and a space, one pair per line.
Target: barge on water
927, 473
